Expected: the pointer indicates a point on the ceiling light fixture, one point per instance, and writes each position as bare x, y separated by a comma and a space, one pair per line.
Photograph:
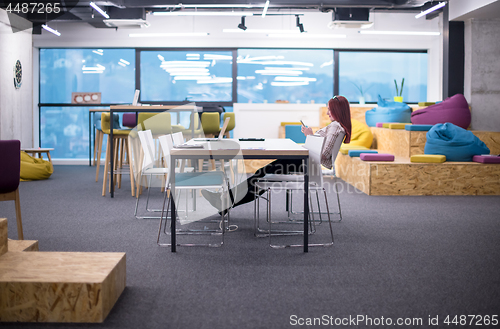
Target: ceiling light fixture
201, 13
99, 10
308, 35
299, 25
153, 35
436, 7
264, 11
51, 30
264, 31
401, 33
242, 24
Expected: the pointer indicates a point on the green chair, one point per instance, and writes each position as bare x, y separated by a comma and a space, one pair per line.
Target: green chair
198, 131
159, 123
231, 124
210, 122
122, 143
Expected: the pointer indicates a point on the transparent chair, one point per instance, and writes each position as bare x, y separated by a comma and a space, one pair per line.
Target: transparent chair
315, 145
187, 181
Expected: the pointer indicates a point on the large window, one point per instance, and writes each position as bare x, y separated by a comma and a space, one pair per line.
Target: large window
195, 76
109, 71
369, 74
270, 75
216, 77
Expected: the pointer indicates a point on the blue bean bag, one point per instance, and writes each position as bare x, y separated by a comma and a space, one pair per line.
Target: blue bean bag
388, 111
456, 143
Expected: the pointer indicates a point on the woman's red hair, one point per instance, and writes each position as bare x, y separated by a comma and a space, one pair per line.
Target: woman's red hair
341, 112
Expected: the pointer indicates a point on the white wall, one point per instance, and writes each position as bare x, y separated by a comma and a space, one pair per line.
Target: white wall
84, 35
16, 116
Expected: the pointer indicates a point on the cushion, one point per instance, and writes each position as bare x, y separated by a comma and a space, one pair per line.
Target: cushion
361, 134
453, 109
379, 125
356, 153
388, 111
294, 132
486, 158
456, 143
428, 158
34, 168
398, 125
418, 127
376, 157
344, 149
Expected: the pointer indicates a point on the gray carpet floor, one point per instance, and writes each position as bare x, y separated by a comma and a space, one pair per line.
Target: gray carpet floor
394, 257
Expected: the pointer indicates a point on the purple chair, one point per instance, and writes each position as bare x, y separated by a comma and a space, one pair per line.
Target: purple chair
454, 109
129, 120
10, 167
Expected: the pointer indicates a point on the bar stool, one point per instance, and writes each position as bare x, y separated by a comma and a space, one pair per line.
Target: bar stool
99, 136
120, 138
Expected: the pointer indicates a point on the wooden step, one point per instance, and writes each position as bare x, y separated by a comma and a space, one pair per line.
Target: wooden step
402, 177
57, 286
23, 245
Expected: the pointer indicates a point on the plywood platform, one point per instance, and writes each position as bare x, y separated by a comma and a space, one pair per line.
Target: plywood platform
405, 143
402, 177
23, 245
57, 286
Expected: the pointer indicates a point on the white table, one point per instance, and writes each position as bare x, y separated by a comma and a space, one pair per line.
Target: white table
271, 148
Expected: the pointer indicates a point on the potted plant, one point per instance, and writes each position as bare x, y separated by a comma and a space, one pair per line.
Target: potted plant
399, 91
361, 92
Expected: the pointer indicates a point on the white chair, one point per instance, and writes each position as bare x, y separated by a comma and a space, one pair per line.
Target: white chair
315, 145
300, 177
147, 169
192, 181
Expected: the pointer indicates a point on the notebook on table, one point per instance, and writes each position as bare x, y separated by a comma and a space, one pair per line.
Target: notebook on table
221, 134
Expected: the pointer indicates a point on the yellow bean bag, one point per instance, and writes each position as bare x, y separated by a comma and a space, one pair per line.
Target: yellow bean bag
361, 134
34, 168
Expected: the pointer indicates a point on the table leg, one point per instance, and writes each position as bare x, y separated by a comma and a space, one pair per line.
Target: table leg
173, 215
90, 141
111, 128
306, 207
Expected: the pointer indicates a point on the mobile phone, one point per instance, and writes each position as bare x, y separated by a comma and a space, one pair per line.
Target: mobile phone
303, 123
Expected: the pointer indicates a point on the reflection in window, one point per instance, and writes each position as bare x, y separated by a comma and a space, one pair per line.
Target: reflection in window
109, 71
66, 129
269, 75
186, 76
370, 74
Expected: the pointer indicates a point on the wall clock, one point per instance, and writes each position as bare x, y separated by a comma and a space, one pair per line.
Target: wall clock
18, 74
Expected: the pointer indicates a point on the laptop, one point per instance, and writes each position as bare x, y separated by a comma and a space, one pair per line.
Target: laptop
221, 134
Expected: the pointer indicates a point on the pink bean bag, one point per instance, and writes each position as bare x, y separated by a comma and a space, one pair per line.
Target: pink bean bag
454, 109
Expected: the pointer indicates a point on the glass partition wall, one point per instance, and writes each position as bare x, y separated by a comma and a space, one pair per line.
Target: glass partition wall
211, 77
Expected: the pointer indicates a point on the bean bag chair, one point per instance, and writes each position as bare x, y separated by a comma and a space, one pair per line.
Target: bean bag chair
388, 111
361, 134
454, 109
34, 168
456, 143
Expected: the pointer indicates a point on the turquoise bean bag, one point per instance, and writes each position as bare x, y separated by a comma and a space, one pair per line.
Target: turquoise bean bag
456, 143
388, 111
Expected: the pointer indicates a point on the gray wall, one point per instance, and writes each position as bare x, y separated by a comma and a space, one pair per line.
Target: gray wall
482, 72
16, 113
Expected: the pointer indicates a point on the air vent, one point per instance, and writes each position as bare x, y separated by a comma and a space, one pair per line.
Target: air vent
355, 18
126, 23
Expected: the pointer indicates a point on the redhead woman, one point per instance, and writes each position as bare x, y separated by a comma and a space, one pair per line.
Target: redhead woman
339, 113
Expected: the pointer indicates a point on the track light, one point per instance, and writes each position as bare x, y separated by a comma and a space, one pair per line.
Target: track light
51, 30
436, 7
242, 24
299, 25
99, 10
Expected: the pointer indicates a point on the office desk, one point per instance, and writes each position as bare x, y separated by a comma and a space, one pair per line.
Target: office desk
227, 149
143, 108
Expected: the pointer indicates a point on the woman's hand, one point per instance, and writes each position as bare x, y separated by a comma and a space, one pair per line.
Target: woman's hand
306, 130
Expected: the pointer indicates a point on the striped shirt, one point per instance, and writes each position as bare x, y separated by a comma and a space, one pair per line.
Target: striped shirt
330, 132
